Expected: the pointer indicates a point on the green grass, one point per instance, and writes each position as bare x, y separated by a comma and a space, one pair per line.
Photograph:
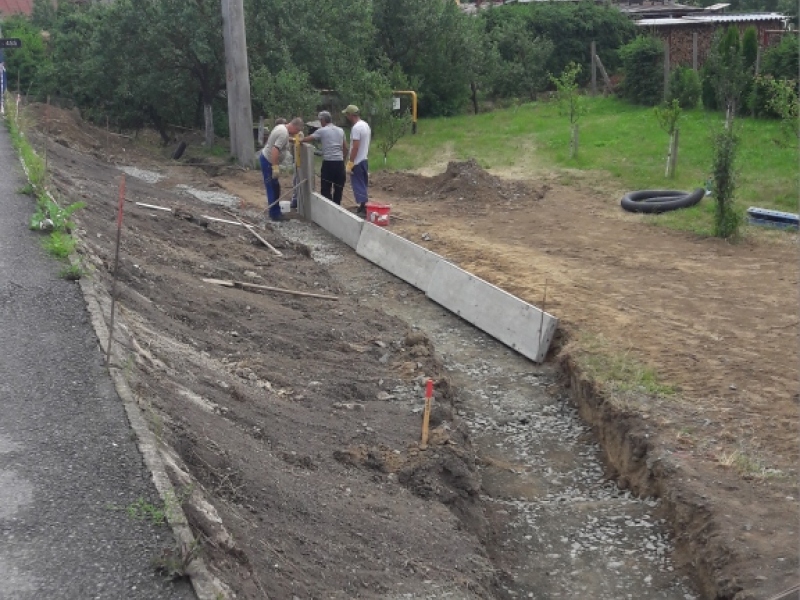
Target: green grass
620, 143
619, 373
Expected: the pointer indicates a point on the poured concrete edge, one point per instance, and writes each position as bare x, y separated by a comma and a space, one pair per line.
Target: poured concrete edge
514, 322
334, 219
404, 259
206, 586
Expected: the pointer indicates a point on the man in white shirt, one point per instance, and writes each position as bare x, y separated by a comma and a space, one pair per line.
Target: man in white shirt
276, 157
357, 165
334, 149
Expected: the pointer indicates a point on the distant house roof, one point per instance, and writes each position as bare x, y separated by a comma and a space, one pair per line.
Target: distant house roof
712, 19
14, 7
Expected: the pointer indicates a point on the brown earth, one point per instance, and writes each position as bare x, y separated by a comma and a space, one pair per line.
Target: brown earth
716, 320
278, 406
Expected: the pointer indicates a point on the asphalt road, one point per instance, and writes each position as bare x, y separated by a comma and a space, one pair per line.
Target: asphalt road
69, 466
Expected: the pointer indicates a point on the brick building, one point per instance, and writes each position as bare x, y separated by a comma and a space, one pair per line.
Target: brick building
679, 32
15, 7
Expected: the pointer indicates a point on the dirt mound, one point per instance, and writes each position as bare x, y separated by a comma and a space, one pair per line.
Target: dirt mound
462, 181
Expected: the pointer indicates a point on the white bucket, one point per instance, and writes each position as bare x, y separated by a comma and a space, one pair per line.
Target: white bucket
286, 206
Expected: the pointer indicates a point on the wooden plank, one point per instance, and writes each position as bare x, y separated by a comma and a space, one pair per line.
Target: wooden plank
244, 285
153, 207
226, 221
252, 230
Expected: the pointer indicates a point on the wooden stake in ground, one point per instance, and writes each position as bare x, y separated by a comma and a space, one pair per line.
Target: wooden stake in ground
116, 268
426, 416
541, 321
244, 285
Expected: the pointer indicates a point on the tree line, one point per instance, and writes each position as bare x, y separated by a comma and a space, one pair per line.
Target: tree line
159, 62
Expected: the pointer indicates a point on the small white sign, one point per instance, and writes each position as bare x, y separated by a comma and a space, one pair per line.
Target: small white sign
395, 103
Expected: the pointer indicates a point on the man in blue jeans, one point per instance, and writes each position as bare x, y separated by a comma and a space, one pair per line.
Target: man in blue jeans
357, 165
277, 158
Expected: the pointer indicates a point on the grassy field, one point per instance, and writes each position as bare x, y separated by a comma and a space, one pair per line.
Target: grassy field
617, 139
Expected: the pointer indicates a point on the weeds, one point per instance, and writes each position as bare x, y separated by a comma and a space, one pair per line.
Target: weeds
174, 562
71, 273
619, 373
49, 215
747, 465
144, 511
59, 244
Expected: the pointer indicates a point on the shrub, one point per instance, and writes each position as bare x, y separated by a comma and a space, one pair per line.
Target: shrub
642, 62
781, 61
684, 86
708, 92
727, 218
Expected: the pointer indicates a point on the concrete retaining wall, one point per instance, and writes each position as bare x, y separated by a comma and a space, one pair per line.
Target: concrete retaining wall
505, 317
334, 219
406, 260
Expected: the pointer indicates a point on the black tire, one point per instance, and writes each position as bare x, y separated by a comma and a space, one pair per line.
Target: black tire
179, 151
659, 201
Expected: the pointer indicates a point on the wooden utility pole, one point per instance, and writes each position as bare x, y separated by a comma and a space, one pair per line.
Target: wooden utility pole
593, 52
240, 112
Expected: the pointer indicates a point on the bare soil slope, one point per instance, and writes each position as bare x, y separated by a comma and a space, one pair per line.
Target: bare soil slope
279, 406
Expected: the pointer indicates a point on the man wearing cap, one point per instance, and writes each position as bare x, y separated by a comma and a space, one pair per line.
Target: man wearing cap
275, 158
357, 165
334, 149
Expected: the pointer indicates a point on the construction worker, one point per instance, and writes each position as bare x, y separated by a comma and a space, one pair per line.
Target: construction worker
277, 158
357, 165
334, 149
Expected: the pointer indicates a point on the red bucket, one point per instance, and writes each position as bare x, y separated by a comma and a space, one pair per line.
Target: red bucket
378, 214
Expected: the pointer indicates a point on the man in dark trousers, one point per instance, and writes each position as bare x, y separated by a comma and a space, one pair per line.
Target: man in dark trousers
357, 165
277, 158
334, 149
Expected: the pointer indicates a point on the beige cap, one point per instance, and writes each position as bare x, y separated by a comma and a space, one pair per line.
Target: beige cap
350, 110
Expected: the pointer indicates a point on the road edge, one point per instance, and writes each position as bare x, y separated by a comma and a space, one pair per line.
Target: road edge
206, 585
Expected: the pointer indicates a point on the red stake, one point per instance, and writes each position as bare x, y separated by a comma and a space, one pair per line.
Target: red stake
116, 265
427, 414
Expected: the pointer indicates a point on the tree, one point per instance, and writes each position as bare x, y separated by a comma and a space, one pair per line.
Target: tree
570, 102
728, 72
727, 219
668, 116
642, 62
394, 127
571, 27
521, 71
26, 65
426, 38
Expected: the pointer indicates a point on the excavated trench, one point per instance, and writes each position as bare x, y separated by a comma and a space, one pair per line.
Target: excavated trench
558, 524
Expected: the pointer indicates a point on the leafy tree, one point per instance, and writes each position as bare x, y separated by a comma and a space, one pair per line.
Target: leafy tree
642, 63
728, 73
570, 102
521, 71
482, 59
426, 38
571, 27
782, 60
394, 127
784, 102
25, 65
668, 115
287, 93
